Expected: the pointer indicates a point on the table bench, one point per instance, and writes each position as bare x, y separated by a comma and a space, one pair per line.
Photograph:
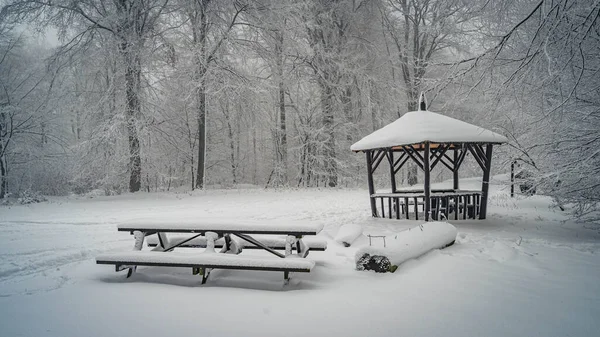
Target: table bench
230, 237
277, 243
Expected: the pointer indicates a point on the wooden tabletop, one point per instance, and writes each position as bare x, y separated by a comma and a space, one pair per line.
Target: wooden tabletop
220, 226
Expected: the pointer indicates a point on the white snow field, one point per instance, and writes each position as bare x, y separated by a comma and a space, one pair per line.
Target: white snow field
525, 271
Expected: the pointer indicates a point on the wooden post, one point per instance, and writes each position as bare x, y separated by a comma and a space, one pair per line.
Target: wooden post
512, 179
369, 154
485, 185
455, 171
392, 174
427, 179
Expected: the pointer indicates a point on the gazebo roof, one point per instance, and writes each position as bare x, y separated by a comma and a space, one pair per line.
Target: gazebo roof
416, 127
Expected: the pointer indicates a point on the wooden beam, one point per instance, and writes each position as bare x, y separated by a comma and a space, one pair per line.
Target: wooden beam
378, 155
403, 157
485, 184
378, 158
440, 158
455, 177
479, 160
450, 167
461, 158
479, 149
416, 153
258, 243
450, 160
390, 155
415, 159
369, 155
397, 168
438, 154
181, 243
427, 179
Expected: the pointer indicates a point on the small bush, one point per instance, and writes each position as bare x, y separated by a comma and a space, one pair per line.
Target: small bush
30, 197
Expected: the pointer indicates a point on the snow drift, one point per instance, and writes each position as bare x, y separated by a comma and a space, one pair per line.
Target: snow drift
347, 234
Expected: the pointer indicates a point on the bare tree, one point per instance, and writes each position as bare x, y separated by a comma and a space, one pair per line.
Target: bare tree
546, 66
129, 22
201, 22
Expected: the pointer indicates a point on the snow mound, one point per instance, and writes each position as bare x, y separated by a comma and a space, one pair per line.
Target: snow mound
347, 234
413, 242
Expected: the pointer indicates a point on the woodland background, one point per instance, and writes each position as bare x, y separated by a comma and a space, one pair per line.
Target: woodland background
156, 95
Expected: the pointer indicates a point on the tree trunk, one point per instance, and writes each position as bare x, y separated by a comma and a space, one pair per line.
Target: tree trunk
3, 177
3, 169
132, 92
281, 133
231, 142
254, 153
346, 101
199, 35
327, 105
200, 175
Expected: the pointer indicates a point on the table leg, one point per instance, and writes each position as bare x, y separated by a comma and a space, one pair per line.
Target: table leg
163, 241
139, 243
290, 241
211, 237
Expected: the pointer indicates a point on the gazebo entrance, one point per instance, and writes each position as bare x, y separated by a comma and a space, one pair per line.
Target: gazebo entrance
428, 139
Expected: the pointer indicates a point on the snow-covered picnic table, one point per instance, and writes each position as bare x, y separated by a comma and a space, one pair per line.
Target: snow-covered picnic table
228, 235
463, 203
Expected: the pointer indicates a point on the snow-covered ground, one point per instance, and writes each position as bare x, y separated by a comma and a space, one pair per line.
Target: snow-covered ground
526, 271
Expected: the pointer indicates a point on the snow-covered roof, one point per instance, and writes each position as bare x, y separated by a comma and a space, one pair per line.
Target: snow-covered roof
416, 127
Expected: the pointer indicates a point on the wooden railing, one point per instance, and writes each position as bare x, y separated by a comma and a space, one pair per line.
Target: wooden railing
445, 204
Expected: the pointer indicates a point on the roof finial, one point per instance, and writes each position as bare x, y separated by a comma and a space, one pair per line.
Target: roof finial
422, 102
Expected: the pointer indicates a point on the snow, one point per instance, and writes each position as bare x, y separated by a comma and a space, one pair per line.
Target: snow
348, 233
189, 258
193, 224
416, 127
413, 242
527, 270
211, 237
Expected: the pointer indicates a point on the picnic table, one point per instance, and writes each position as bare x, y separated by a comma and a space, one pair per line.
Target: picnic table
463, 204
230, 236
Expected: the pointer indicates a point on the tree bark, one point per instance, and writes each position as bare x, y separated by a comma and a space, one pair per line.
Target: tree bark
132, 92
3, 170
3, 178
199, 34
230, 134
281, 133
327, 105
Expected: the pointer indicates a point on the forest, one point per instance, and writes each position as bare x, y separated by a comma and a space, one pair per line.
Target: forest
120, 96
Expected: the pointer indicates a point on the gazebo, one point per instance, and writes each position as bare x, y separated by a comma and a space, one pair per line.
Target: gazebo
428, 139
